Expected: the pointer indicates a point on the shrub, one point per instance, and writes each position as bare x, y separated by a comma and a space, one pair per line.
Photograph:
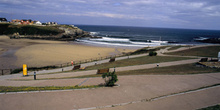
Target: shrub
152, 53
110, 78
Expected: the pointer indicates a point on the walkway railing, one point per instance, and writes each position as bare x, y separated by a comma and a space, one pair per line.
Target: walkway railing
6, 71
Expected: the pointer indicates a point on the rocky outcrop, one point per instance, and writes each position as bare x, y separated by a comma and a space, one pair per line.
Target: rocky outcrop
72, 32
66, 33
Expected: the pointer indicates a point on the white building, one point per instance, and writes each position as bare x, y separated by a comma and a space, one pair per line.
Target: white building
38, 23
51, 23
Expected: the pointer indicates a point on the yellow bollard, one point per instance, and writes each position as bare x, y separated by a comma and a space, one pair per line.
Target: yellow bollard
25, 70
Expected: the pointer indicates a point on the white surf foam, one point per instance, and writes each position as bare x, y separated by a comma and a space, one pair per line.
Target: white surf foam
128, 44
144, 43
111, 39
154, 41
94, 33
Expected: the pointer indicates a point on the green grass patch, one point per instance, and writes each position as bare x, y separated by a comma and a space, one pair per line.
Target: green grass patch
176, 47
136, 61
89, 76
215, 107
27, 88
162, 47
85, 76
146, 50
172, 70
209, 51
141, 51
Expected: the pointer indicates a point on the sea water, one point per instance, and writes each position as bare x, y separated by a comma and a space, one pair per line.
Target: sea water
144, 36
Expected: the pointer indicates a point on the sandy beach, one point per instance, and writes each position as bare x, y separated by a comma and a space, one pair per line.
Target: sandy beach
15, 52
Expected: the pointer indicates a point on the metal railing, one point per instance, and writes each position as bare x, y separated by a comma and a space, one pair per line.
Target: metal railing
6, 71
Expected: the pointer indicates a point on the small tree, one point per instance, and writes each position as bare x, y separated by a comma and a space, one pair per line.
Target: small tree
110, 78
152, 53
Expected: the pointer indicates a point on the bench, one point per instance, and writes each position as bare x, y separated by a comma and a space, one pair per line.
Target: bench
76, 67
112, 60
203, 60
214, 60
101, 71
82, 68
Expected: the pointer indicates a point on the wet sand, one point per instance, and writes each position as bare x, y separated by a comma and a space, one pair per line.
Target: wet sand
16, 52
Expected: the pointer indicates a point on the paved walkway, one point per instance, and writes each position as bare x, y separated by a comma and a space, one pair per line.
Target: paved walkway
132, 88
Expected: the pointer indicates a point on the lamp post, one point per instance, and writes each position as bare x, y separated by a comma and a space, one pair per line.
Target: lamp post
35, 76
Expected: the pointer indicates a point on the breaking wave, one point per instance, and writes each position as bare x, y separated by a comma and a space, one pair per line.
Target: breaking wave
120, 42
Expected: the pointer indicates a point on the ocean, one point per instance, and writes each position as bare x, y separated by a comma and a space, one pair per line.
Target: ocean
144, 36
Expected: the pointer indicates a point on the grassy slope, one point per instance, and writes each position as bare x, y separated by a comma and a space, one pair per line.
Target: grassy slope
136, 61
8, 29
28, 88
210, 51
171, 70
176, 47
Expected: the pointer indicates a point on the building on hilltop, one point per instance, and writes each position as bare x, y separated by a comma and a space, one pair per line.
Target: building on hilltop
16, 21
25, 22
37, 23
51, 23
3, 20
31, 22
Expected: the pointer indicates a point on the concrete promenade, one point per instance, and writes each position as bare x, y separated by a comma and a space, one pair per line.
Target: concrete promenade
132, 88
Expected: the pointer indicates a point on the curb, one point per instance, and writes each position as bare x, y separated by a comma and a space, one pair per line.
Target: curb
23, 92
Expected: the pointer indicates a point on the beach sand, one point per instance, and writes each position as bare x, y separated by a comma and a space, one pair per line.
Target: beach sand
37, 53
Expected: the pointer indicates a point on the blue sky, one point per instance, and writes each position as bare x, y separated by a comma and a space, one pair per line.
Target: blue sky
193, 14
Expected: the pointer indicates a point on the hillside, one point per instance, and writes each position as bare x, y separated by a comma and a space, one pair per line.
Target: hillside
58, 32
